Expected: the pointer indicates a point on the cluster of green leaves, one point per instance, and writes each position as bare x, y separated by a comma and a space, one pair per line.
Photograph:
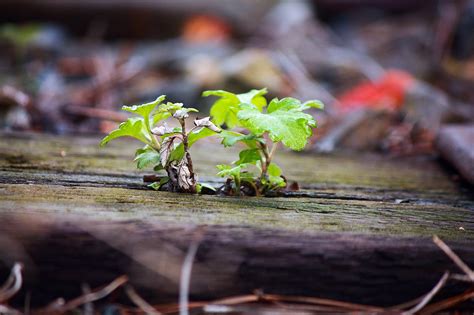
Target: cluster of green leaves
163, 145
266, 124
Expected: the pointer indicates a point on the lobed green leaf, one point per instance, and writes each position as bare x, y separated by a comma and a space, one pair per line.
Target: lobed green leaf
146, 156
230, 170
250, 156
274, 170
132, 127
224, 110
285, 123
144, 110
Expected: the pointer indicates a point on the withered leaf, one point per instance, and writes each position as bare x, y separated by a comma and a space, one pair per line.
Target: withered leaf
166, 148
207, 123
181, 114
185, 181
161, 130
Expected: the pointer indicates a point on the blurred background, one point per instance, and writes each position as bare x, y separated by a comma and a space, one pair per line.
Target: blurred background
390, 72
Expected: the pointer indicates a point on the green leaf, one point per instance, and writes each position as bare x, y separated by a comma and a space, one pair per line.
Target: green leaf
230, 138
224, 110
158, 167
274, 170
284, 122
199, 134
200, 186
247, 176
229, 170
289, 103
276, 181
160, 116
157, 185
132, 127
146, 156
254, 97
144, 110
170, 107
250, 156
314, 104
189, 109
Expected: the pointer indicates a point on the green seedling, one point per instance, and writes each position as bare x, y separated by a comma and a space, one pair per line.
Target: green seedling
165, 148
261, 127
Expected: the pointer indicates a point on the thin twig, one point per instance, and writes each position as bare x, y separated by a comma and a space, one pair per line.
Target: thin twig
236, 300
93, 296
448, 251
9, 282
459, 277
88, 307
429, 295
140, 302
405, 305
186, 271
320, 301
13, 283
447, 303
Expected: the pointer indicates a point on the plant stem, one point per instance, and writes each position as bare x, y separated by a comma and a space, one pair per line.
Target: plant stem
267, 158
154, 143
265, 163
272, 151
187, 155
237, 185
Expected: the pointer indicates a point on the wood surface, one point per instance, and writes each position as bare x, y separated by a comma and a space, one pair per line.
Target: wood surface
359, 229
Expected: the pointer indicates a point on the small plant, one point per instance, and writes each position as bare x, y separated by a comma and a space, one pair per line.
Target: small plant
264, 127
165, 148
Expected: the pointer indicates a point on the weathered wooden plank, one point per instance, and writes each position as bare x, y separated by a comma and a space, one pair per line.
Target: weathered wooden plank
364, 194
359, 230
294, 214
419, 177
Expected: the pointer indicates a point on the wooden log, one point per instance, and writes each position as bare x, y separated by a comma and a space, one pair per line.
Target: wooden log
379, 270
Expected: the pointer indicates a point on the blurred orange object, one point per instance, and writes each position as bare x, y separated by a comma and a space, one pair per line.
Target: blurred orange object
204, 28
387, 93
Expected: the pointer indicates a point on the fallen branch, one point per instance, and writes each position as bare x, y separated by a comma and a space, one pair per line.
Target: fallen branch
320, 301
87, 298
447, 303
140, 302
429, 296
455, 258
